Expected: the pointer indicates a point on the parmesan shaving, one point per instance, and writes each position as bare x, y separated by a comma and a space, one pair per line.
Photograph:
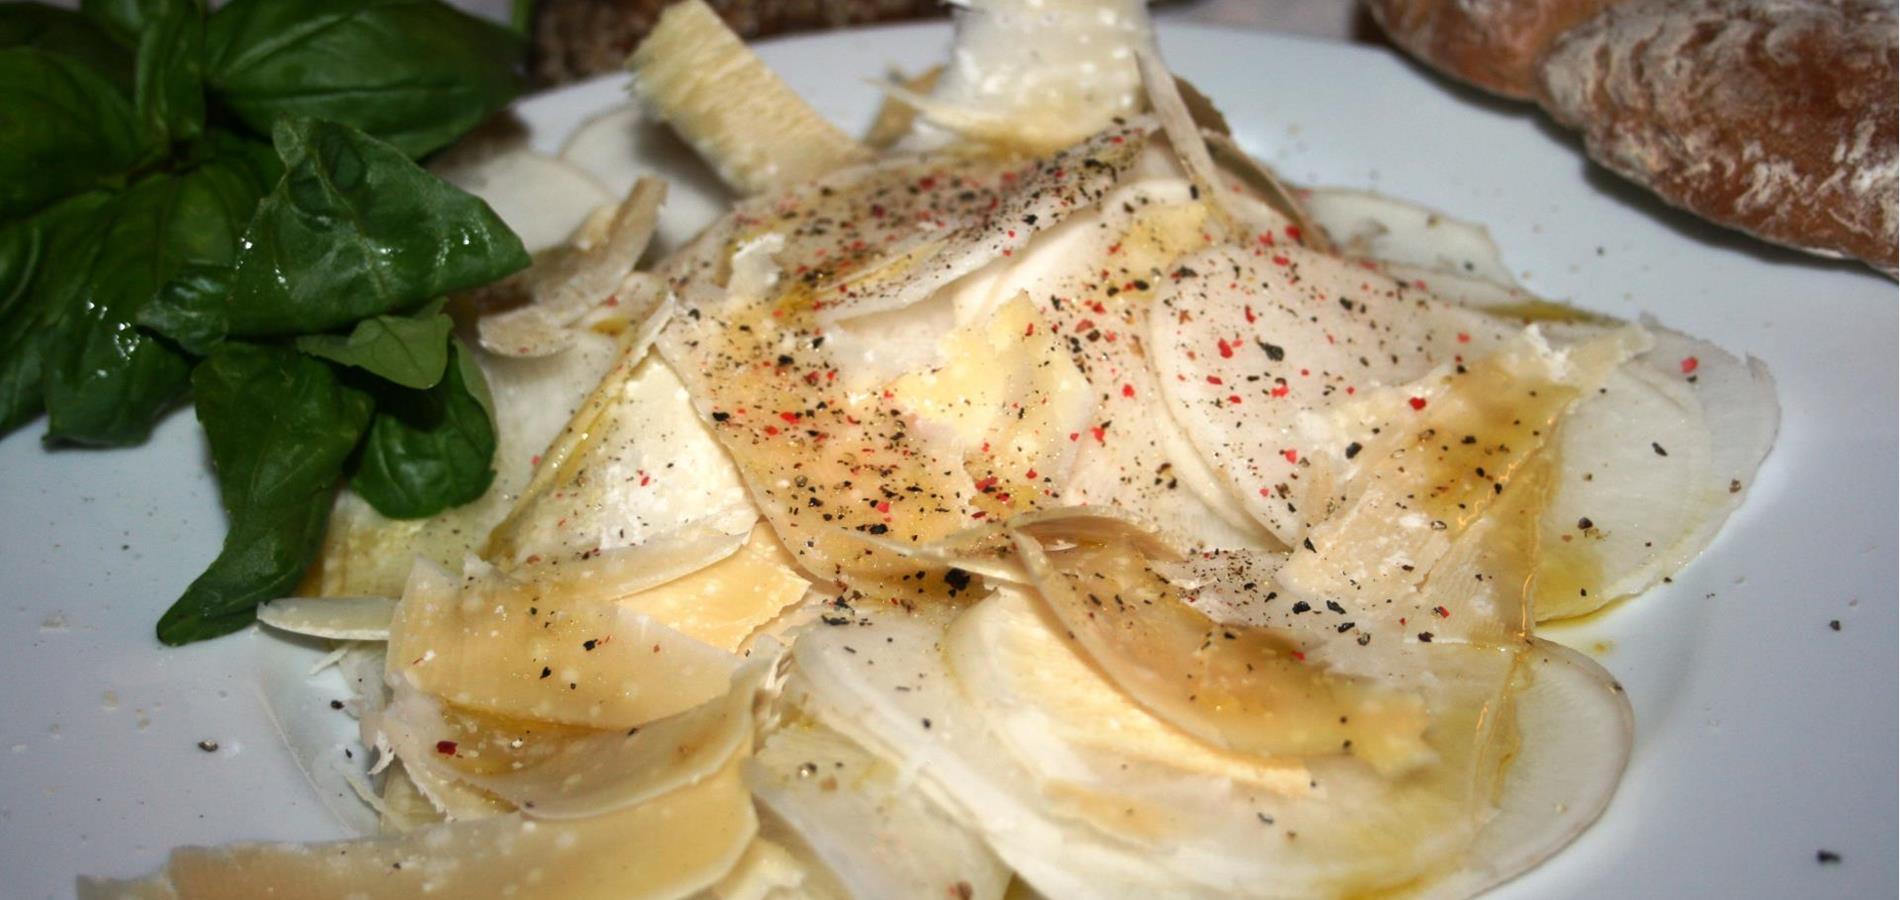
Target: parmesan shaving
698, 75
490, 643
671, 846
336, 618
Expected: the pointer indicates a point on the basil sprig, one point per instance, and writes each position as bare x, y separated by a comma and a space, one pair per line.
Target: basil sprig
228, 206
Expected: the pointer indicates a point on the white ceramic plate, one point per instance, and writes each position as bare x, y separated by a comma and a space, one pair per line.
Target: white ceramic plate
1764, 735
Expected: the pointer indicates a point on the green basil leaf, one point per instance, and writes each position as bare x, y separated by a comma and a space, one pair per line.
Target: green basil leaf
355, 230
257, 158
122, 19
415, 73
280, 425
473, 380
32, 250
21, 243
63, 128
189, 309
411, 351
107, 382
169, 91
68, 34
429, 450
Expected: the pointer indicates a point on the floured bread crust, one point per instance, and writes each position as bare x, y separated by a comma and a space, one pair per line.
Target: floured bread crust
1776, 117
1492, 44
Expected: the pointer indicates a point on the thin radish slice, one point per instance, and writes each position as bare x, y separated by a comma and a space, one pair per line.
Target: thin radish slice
636, 463
1321, 827
321, 738
856, 814
893, 694
1244, 689
543, 199
1254, 351
1576, 730
565, 286
1373, 226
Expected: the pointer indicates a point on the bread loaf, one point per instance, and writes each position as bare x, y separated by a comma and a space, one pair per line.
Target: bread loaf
1776, 117
1493, 44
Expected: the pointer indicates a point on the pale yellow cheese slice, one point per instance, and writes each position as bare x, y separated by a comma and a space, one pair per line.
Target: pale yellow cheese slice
723, 604
722, 99
767, 871
492, 644
565, 773
669, 847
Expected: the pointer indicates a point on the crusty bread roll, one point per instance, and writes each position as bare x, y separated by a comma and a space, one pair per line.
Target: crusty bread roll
1493, 44
1777, 117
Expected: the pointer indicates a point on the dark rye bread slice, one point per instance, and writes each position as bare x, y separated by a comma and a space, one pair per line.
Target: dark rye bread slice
1491, 44
1776, 117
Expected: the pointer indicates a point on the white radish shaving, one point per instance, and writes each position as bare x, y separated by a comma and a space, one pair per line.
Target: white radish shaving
858, 815
1373, 226
1576, 727
543, 199
567, 285
322, 739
